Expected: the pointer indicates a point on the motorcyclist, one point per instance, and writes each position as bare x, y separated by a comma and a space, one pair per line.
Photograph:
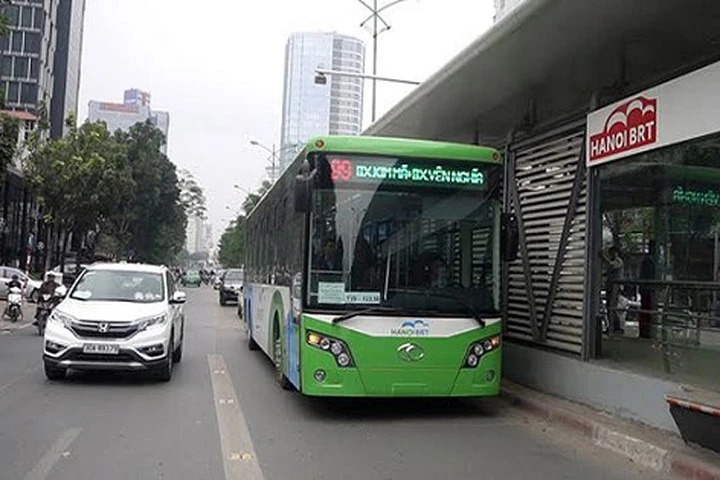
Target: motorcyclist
14, 282
47, 287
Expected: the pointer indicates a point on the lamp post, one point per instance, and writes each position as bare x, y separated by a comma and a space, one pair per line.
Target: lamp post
238, 187
274, 152
376, 17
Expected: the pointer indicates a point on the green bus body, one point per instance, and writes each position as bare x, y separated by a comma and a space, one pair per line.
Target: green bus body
416, 306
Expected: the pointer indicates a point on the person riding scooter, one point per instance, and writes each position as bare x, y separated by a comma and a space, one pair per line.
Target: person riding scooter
46, 290
14, 287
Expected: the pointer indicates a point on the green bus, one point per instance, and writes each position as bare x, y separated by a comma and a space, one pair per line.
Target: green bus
373, 268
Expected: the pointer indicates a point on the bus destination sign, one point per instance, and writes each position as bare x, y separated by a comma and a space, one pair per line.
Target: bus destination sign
421, 173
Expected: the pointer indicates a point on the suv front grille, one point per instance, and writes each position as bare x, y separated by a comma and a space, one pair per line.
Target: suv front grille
93, 329
93, 357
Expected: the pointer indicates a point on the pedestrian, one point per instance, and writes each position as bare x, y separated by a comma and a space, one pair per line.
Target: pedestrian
613, 274
647, 273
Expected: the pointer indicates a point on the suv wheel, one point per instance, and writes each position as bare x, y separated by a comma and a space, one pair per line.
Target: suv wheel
178, 353
164, 373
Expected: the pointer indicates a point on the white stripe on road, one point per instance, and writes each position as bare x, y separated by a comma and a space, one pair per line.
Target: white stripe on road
51, 457
238, 453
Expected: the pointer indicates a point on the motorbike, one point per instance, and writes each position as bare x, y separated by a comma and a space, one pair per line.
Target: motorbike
14, 304
45, 305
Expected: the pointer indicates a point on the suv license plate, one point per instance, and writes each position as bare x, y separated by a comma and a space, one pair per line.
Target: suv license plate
101, 348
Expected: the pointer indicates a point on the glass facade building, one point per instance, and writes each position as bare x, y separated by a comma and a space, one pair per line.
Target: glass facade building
310, 109
28, 54
66, 88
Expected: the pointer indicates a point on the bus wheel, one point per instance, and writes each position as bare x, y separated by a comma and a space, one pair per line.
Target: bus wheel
280, 377
252, 344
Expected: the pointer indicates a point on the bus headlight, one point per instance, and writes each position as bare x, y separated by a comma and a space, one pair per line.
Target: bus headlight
479, 349
337, 348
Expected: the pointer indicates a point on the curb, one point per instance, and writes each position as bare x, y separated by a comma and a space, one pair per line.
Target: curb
640, 451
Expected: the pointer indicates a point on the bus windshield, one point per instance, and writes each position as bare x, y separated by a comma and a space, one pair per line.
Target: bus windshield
428, 246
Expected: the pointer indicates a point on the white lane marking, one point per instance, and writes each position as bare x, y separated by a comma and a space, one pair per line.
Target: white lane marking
238, 451
51, 457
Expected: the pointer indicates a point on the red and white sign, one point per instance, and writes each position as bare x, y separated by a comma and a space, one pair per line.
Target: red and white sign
679, 110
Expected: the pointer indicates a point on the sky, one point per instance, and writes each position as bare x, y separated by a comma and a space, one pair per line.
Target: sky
217, 68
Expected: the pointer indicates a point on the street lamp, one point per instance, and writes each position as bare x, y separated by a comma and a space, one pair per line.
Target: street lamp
375, 17
238, 187
273, 155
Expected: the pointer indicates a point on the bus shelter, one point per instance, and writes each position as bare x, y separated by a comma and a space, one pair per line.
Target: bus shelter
605, 113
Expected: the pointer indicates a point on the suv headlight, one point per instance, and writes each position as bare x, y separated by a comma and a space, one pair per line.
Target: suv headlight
152, 322
61, 319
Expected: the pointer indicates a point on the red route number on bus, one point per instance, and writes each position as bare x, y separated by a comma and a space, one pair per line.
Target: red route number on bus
341, 170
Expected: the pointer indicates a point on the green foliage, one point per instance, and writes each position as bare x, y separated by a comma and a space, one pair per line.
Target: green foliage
4, 19
9, 130
232, 244
156, 215
120, 186
81, 178
253, 199
192, 196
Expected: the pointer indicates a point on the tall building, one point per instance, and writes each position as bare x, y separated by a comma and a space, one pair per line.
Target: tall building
135, 108
198, 236
68, 55
28, 54
503, 7
311, 109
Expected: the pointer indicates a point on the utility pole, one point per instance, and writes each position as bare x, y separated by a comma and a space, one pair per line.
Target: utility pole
376, 31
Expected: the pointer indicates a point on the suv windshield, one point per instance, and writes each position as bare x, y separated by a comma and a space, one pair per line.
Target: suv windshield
233, 276
119, 286
417, 247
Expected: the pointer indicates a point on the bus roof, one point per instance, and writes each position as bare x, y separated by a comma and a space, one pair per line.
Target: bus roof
403, 147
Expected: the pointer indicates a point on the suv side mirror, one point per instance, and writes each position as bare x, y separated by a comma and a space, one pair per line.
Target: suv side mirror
509, 237
178, 298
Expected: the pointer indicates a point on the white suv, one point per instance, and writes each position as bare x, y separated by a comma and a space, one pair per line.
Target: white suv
117, 317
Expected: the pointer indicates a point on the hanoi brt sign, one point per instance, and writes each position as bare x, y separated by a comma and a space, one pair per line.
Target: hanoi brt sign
676, 111
631, 125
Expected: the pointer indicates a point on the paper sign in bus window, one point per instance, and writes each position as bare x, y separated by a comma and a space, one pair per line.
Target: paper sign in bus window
331, 292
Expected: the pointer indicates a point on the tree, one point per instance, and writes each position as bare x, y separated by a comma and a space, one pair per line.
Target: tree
192, 196
156, 214
4, 19
9, 131
252, 199
80, 180
231, 253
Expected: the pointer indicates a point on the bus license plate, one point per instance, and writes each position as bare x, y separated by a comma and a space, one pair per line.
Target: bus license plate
101, 348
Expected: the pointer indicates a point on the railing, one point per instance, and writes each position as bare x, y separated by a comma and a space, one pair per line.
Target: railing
674, 314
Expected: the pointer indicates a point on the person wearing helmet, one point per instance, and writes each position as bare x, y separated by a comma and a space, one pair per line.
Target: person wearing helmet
14, 282
47, 287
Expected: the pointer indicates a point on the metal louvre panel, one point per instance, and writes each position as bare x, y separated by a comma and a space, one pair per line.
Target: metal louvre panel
545, 178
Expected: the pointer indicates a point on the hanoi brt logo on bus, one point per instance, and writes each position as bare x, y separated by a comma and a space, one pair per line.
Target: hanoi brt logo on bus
411, 328
631, 125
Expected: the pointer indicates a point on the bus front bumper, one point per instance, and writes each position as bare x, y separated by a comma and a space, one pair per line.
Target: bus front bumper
329, 380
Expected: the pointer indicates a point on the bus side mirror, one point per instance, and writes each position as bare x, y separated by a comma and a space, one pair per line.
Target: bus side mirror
509, 237
303, 189
303, 194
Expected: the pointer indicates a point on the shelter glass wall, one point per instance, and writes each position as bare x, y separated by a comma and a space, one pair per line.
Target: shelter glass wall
660, 289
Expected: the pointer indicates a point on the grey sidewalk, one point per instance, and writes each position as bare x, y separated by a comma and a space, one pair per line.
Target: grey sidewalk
655, 449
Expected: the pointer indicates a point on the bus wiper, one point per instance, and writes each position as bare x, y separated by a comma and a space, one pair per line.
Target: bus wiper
403, 311
365, 311
468, 308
